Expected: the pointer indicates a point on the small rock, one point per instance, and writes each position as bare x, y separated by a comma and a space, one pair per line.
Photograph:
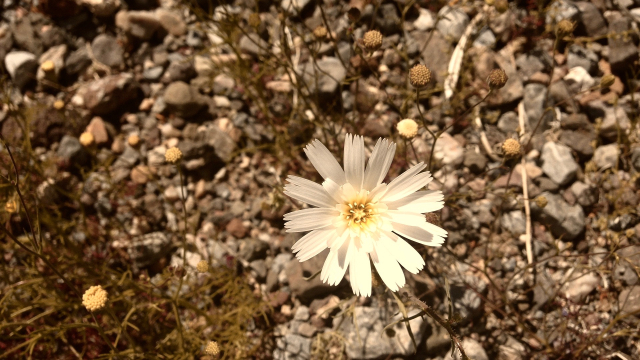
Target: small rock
629, 300
425, 21
294, 6
139, 24
508, 122
22, 67
182, 99
172, 22
582, 57
475, 161
251, 249
628, 259
453, 22
253, 44
448, 150
108, 51
236, 228
591, 21
56, 55
77, 61
108, 94
585, 195
141, 174
565, 221
606, 156
292, 346
71, 151
534, 105
579, 79
102, 8
615, 119
97, 128
577, 289
146, 249
296, 272
579, 141
622, 50
472, 348
514, 222
558, 163
329, 72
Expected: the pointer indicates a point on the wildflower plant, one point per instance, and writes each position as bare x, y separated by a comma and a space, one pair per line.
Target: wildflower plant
361, 219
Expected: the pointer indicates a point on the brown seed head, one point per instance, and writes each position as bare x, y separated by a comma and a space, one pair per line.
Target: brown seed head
173, 155
202, 266
497, 79
541, 201
501, 6
564, 27
511, 148
419, 76
607, 81
320, 32
372, 40
95, 298
254, 20
212, 348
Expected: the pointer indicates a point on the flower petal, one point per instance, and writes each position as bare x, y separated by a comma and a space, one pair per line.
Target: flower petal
311, 238
403, 252
340, 260
354, 160
407, 186
309, 219
360, 273
387, 266
324, 162
313, 248
417, 234
379, 163
308, 191
421, 202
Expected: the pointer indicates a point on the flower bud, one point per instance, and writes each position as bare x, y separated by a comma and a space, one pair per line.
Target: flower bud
419, 76
372, 40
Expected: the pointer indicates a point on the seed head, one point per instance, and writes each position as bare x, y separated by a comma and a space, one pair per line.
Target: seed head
212, 348
607, 81
202, 266
408, 128
372, 40
58, 105
173, 155
86, 139
353, 14
419, 76
497, 78
501, 6
541, 201
564, 27
254, 20
320, 32
133, 140
95, 298
47, 66
511, 148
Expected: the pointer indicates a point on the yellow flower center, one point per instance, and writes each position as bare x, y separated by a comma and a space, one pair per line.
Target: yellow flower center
359, 213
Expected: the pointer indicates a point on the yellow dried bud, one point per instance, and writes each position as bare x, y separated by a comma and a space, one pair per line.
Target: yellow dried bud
607, 81
11, 206
372, 40
408, 128
173, 155
86, 138
564, 27
254, 20
95, 298
419, 76
133, 140
212, 348
501, 6
511, 148
58, 105
47, 66
202, 266
497, 79
320, 32
541, 201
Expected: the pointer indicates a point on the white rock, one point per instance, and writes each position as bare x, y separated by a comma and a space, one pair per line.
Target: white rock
102, 7
580, 77
425, 21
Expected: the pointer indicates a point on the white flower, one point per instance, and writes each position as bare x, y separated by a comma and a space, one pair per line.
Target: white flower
359, 217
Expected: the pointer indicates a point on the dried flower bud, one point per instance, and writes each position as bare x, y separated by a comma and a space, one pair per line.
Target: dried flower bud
133, 140
47, 66
202, 266
497, 79
86, 139
212, 348
564, 27
607, 81
320, 32
173, 155
541, 201
95, 298
501, 6
353, 14
58, 105
419, 76
11, 206
254, 20
372, 40
408, 128
511, 148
